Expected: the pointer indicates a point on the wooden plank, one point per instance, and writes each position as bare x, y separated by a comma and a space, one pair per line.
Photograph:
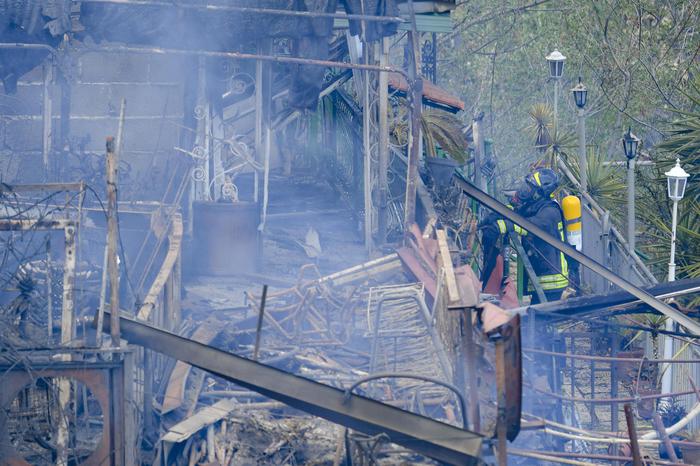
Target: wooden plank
445, 262
413, 264
18, 188
373, 268
175, 390
171, 258
112, 232
202, 418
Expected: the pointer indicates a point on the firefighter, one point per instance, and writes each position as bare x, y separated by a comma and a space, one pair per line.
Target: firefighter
534, 200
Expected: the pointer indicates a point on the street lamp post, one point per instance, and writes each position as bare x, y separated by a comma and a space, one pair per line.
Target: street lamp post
556, 70
630, 144
677, 179
580, 97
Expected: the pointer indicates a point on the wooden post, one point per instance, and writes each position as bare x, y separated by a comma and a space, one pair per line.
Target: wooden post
632, 431
413, 153
67, 335
258, 329
367, 152
49, 289
416, 92
663, 435
112, 234
383, 143
472, 373
103, 297
258, 122
478, 150
501, 427
47, 114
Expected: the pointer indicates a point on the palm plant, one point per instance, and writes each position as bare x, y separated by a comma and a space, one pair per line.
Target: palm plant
439, 128
683, 141
604, 185
443, 129
549, 140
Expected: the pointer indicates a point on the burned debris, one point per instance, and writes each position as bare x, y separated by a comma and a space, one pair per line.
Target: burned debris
220, 244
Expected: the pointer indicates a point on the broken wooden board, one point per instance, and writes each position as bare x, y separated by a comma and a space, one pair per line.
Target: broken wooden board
175, 390
372, 269
445, 262
202, 418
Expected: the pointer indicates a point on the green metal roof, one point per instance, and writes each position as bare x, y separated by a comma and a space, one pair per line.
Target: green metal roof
424, 23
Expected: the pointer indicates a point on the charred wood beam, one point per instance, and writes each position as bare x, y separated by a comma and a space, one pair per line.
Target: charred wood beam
431, 438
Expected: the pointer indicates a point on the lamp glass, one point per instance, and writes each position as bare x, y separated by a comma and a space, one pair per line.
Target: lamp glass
630, 144
677, 179
580, 94
556, 64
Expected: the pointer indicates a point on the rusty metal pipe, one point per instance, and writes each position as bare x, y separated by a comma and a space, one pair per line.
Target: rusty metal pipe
254, 10
246, 56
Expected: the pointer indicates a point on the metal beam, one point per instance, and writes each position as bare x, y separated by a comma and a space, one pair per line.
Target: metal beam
472, 191
426, 436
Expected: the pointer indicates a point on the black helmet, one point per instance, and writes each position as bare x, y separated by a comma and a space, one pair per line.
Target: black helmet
539, 184
546, 181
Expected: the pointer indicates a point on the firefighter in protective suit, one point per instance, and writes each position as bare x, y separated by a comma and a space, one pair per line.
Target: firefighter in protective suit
534, 200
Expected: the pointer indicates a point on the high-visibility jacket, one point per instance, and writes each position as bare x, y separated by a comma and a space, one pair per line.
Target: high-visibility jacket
549, 264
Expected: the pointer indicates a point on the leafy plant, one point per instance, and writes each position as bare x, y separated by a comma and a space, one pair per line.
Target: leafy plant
443, 129
683, 142
548, 139
603, 184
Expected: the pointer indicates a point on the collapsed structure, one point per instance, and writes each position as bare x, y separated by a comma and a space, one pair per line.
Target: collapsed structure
232, 192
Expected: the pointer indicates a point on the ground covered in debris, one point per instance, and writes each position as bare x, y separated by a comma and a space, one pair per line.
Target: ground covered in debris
323, 320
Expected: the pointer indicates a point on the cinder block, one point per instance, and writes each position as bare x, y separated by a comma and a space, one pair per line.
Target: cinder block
30, 169
168, 69
28, 100
98, 67
141, 99
150, 99
140, 134
92, 99
147, 135
24, 135
93, 133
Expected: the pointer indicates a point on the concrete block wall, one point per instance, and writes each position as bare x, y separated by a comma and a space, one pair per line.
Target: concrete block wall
153, 86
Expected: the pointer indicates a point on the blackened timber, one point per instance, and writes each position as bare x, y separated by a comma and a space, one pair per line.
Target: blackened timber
426, 436
472, 191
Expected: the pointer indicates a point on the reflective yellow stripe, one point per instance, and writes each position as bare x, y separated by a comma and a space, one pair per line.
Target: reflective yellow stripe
501, 226
537, 178
520, 230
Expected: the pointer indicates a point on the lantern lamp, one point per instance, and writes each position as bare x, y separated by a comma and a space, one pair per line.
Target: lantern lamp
630, 144
580, 94
677, 179
556, 64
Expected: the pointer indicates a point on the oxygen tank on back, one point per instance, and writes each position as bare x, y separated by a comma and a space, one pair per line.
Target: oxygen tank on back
571, 205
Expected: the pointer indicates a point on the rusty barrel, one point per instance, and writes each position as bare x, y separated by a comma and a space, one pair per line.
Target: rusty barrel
225, 237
